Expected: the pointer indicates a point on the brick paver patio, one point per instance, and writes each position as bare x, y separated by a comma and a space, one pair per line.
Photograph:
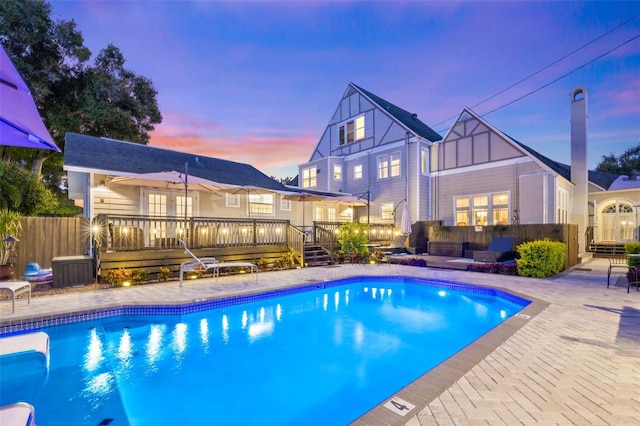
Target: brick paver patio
577, 361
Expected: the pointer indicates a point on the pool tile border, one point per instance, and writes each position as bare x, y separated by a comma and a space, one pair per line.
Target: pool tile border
32, 324
425, 389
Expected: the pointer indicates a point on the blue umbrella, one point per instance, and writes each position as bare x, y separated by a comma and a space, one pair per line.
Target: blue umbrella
20, 122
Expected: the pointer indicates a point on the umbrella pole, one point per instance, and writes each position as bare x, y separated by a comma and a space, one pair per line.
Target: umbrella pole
186, 194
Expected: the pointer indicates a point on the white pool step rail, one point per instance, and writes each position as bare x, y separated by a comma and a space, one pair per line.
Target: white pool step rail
25, 343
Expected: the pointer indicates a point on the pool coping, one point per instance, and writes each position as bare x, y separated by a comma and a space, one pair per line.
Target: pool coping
426, 388
419, 393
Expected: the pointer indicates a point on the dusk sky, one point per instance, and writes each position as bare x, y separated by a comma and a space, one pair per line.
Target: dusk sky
257, 82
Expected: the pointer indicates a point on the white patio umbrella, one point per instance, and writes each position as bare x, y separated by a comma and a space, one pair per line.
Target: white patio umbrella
20, 122
347, 199
169, 180
405, 222
246, 189
303, 197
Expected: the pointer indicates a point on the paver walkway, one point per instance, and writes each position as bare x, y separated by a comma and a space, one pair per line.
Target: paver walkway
576, 362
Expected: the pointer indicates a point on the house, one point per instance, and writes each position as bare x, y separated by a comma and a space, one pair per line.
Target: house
476, 175
375, 151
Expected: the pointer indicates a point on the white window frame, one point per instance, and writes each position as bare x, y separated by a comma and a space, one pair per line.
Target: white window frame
389, 165
266, 200
232, 200
285, 205
424, 161
386, 211
352, 130
471, 207
309, 177
337, 172
357, 172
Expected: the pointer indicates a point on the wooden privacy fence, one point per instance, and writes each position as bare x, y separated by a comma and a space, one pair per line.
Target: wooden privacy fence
479, 238
43, 238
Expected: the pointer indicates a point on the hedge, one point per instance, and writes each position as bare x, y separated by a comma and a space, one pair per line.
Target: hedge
541, 258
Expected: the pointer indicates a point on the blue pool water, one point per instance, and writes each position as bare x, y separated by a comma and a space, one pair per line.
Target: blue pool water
311, 356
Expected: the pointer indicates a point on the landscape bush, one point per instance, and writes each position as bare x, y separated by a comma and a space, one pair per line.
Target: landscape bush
632, 248
412, 261
510, 268
541, 258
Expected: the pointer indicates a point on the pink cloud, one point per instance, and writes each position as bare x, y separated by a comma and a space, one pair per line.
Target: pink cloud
268, 152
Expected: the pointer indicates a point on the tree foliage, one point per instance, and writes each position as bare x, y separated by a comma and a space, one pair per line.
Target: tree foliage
23, 192
623, 164
99, 99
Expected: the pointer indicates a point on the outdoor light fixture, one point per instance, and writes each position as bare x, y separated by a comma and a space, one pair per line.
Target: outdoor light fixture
102, 184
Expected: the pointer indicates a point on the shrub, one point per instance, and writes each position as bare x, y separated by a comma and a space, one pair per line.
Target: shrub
510, 268
541, 258
632, 248
163, 274
263, 264
115, 276
353, 237
412, 261
138, 276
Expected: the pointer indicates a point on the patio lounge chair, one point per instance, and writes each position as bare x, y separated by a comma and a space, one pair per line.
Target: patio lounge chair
210, 263
397, 246
498, 251
18, 414
16, 288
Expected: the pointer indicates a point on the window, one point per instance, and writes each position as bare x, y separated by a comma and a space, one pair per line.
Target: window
480, 210
389, 165
351, 131
395, 164
157, 205
562, 211
500, 208
383, 167
331, 214
337, 172
483, 209
285, 204
261, 204
181, 205
462, 211
357, 172
309, 177
319, 214
232, 200
386, 210
360, 128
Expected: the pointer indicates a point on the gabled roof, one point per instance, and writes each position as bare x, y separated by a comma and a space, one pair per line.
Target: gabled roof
410, 120
109, 156
601, 179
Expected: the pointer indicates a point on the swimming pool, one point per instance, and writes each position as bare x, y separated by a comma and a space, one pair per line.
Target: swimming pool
320, 354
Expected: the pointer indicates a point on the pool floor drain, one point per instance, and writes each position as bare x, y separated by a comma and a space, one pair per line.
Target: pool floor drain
105, 422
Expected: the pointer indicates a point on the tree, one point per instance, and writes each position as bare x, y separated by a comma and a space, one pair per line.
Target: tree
622, 165
23, 192
104, 99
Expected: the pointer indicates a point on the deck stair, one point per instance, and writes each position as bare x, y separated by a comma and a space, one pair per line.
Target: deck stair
314, 255
606, 249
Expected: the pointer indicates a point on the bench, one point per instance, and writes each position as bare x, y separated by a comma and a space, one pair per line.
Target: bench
210, 263
447, 248
16, 288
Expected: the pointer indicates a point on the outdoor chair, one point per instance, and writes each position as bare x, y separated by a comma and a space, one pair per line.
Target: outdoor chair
499, 250
633, 278
617, 261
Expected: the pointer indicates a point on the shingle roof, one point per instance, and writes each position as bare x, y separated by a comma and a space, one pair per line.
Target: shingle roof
405, 117
119, 156
602, 179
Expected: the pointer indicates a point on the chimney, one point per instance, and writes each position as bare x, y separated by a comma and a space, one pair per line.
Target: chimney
579, 171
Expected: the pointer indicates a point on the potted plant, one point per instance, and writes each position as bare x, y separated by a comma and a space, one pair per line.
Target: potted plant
10, 227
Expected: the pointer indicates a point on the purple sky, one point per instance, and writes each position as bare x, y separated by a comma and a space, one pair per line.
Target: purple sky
256, 82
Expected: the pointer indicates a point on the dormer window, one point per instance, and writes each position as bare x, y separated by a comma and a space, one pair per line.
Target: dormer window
351, 131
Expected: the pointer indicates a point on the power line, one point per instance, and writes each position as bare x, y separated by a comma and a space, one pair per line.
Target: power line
545, 68
562, 76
